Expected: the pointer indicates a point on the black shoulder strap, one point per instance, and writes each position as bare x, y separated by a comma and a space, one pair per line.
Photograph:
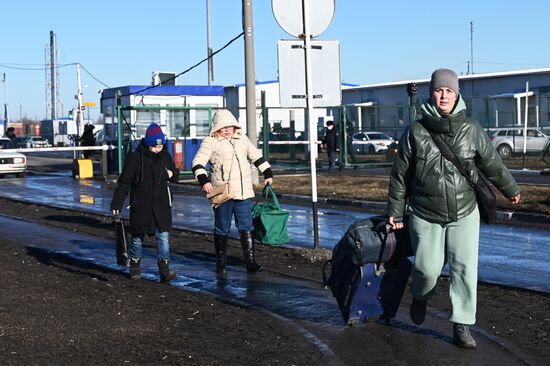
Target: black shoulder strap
448, 154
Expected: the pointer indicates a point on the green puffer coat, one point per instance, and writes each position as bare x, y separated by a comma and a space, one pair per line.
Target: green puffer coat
432, 185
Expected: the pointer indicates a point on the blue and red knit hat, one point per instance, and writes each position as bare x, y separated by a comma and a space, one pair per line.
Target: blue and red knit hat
154, 135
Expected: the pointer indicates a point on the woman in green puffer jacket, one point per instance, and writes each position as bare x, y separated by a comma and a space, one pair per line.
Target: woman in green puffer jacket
444, 218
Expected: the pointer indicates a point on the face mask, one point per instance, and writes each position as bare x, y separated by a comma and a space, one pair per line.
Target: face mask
330, 127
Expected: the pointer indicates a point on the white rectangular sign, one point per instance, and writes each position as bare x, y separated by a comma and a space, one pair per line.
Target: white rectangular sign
325, 73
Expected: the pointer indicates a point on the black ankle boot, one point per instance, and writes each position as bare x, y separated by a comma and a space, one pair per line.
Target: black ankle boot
220, 246
164, 270
248, 251
135, 268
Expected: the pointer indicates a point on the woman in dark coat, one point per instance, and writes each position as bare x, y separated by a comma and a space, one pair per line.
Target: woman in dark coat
146, 174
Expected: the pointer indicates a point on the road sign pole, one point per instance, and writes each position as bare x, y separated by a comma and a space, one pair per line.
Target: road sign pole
311, 122
287, 14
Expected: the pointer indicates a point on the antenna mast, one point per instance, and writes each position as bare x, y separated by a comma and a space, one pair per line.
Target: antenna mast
472, 45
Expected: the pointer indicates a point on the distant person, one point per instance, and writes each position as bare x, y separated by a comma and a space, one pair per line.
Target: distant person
350, 129
145, 175
88, 139
230, 153
331, 142
444, 217
10, 133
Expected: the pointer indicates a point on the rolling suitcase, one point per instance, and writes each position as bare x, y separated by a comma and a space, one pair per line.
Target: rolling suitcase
369, 271
122, 256
378, 292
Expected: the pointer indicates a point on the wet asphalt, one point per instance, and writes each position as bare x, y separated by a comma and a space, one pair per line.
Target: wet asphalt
508, 254
302, 305
306, 306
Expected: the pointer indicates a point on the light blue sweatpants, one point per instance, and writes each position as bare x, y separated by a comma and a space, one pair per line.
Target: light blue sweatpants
457, 243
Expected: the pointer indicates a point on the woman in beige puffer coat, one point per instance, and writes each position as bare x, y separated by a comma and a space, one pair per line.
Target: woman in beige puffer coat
230, 153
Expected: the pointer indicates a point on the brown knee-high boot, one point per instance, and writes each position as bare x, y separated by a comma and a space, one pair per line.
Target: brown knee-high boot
248, 251
220, 246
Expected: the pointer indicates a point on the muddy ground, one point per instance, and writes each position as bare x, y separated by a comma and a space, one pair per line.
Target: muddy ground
59, 311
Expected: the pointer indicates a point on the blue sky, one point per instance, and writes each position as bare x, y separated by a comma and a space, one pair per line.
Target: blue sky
123, 42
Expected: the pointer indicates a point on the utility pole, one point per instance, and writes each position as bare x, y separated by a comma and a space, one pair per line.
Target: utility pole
250, 79
6, 113
78, 97
209, 45
52, 73
472, 45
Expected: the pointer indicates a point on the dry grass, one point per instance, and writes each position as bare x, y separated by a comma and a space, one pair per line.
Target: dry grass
375, 188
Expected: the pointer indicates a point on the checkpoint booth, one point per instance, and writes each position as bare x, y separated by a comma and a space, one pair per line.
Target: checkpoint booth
184, 112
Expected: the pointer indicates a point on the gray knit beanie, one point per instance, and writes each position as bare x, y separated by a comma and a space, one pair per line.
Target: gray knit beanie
444, 78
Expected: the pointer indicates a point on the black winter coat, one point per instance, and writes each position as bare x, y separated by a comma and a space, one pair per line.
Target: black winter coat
145, 176
332, 139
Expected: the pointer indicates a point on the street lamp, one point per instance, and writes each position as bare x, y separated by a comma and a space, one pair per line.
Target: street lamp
20, 112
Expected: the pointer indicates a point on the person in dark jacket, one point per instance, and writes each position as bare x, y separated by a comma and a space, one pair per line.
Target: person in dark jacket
443, 213
10, 133
88, 139
145, 175
331, 142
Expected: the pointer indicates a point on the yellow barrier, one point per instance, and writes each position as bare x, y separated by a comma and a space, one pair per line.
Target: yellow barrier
83, 168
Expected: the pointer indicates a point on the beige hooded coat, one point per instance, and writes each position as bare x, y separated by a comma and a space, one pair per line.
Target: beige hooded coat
229, 159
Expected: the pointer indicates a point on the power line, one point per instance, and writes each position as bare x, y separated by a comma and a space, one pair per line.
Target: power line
7, 66
33, 68
93, 77
189, 69
139, 91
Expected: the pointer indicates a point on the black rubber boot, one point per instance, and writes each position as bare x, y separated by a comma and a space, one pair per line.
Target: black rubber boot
164, 269
248, 251
220, 245
418, 311
135, 269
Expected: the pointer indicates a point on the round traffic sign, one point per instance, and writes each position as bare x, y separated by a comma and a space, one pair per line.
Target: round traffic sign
289, 15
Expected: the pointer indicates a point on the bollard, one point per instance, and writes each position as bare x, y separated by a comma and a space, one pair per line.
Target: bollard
83, 168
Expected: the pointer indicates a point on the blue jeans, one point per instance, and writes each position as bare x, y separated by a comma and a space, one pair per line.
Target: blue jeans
223, 215
163, 247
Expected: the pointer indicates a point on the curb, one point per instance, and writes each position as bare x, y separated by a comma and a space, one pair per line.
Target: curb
530, 172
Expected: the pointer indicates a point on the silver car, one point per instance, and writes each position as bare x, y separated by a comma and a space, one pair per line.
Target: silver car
371, 142
11, 162
510, 140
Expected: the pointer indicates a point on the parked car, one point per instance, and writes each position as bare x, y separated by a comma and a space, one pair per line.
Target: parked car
510, 140
371, 142
38, 141
11, 162
32, 141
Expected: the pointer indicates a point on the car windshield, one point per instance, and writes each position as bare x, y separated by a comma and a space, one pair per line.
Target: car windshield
378, 136
6, 144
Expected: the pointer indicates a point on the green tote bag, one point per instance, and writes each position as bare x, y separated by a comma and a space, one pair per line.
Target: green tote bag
269, 219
